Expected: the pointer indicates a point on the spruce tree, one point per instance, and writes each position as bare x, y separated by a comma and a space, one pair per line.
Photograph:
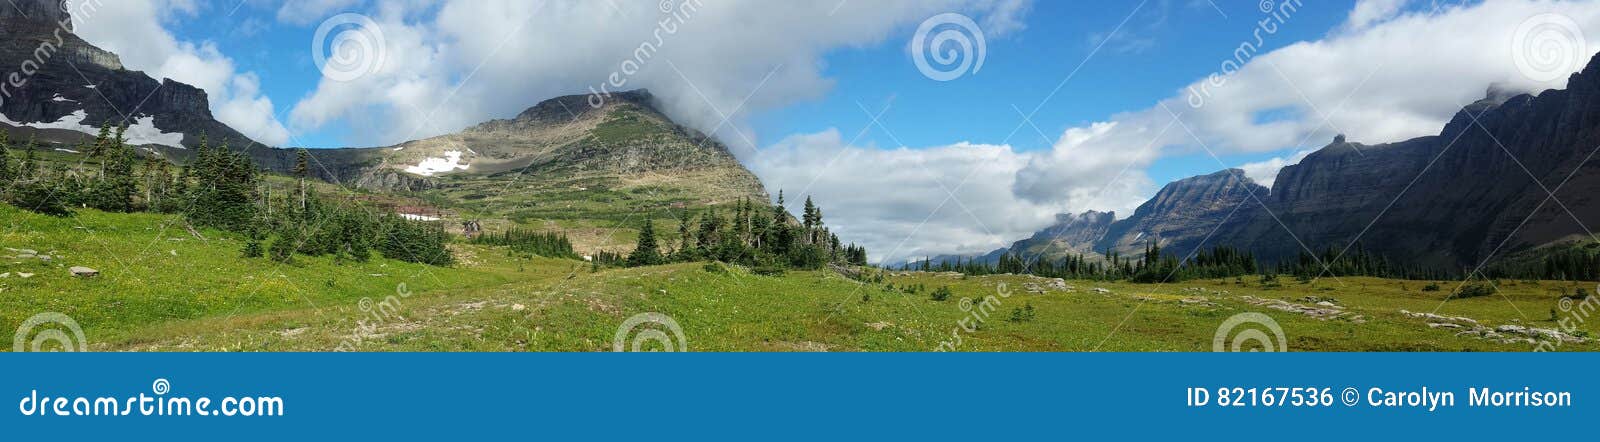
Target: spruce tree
646, 252
685, 239
301, 170
6, 171
30, 165
117, 186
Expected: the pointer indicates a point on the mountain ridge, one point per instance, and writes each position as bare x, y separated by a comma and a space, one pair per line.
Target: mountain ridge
1507, 174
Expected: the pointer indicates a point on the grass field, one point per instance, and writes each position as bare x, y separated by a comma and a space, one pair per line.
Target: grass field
161, 288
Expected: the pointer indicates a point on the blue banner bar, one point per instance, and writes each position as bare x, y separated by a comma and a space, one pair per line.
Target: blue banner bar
1293, 396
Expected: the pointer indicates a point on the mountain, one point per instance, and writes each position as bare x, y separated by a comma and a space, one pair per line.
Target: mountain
63, 88
564, 156
1184, 213
1506, 174
1509, 174
581, 160
1180, 216
1072, 234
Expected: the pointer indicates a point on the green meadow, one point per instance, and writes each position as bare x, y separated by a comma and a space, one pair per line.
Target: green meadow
162, 287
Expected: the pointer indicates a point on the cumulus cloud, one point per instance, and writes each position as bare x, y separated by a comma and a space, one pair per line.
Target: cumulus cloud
134, 30
1367, 12
1265, 172
473, 60
907, 203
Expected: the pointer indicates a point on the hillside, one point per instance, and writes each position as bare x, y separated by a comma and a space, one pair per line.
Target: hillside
562, 164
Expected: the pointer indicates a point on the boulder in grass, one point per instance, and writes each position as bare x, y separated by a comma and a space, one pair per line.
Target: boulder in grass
84, 272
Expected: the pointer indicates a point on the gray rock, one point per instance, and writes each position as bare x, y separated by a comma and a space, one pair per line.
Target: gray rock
84, 272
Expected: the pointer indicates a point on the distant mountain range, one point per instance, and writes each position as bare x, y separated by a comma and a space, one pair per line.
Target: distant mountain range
1509, 175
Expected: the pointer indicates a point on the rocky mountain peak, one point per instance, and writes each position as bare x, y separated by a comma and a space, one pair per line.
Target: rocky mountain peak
567, 108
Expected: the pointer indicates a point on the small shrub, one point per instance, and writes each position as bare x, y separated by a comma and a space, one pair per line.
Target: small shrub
38, 198
716, 268
1578, 294
1431, 287
1269, 280
252, 249
768, 270
941, 293
1023, 314
281, 250
1474, 290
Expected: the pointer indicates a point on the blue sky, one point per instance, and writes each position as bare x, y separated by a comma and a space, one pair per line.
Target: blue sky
1164, 46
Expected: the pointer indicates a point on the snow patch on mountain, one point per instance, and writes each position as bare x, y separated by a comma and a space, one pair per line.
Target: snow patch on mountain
142, 132
430, 166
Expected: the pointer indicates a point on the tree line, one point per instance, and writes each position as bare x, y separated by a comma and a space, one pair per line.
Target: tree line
1156, 266
766, 238
220, 189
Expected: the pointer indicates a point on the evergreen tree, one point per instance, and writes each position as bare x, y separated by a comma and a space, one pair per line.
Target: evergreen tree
30, 166
685, 239
226, 195
810, 217
646, 252
302, 168
7, 173
117, 186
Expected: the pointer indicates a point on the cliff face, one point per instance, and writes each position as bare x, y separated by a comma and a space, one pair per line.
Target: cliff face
1480, 189
1184, 212
61, 89
1506, 174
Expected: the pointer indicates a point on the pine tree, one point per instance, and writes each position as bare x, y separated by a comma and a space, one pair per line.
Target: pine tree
7, 173
30, 165
685, 238
809, 217
646, 252
301, 169
117, 186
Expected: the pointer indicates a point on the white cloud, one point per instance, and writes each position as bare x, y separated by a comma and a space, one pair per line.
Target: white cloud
134, 30
474, 60
1365, 82
1367, 12
898, 202
1265, 172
